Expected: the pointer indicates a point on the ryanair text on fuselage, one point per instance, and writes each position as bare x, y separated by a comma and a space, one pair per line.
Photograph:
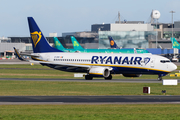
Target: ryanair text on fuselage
118, 60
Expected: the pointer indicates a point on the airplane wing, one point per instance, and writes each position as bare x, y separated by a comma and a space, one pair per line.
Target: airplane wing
60, 65
32, 55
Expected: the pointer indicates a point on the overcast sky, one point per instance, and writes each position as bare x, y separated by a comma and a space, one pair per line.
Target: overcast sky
77, 15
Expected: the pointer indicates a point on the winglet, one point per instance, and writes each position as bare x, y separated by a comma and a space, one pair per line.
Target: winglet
76, 44
18, 55
39, 42
113, 43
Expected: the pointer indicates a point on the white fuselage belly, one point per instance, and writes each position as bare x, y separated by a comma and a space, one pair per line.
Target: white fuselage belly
121, 63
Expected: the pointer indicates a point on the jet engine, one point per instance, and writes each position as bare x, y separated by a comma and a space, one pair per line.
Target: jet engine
99, 71
131, 75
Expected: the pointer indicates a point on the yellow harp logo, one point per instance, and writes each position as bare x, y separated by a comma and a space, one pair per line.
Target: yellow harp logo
36, 37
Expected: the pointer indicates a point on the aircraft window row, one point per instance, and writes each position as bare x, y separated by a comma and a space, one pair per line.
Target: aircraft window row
82, 60
86, 60
164, 61
119, 61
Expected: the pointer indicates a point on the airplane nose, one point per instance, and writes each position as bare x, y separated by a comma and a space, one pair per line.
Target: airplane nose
173, 67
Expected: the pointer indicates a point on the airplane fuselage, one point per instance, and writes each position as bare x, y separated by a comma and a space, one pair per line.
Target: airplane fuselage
121, 63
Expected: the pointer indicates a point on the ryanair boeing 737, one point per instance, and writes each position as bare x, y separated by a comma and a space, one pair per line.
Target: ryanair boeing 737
96, 64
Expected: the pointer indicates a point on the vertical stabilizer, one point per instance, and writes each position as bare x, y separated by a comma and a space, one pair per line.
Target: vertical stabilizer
113, 43
39, 42
58, 44
76, 44
175, 43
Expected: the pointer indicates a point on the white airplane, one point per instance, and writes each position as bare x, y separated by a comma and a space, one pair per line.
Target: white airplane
97, 64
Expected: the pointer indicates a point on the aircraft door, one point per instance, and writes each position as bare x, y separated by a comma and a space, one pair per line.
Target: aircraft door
152, 63
47, 57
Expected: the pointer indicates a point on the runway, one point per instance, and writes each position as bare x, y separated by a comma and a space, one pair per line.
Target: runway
89, 99
83, 80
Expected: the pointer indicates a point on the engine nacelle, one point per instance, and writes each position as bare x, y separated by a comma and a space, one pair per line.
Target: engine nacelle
131, 75
99, 71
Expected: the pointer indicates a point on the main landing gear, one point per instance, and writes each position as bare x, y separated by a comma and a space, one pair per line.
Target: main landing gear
108, 78
88, 77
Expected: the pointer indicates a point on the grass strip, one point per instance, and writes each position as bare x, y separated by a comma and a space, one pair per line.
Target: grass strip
59, 88
90, 112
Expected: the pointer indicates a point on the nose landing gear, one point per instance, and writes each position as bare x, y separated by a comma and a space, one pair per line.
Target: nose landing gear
160, 76
160, 79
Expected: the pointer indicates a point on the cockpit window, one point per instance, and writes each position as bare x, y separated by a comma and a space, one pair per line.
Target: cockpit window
165, 61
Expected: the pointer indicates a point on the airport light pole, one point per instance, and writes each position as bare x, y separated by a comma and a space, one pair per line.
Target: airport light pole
156, 15
172, 33
172, 21
156, 33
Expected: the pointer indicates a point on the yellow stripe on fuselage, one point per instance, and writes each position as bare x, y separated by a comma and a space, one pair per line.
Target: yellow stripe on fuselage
38, 59
123, 66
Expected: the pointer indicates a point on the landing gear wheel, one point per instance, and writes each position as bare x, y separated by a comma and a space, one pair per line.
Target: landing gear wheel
108, 78
160, 79
88, 77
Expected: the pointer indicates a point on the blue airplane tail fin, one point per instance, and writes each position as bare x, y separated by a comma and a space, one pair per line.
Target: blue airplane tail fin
112, 43
175, 43
75, 43
39, 42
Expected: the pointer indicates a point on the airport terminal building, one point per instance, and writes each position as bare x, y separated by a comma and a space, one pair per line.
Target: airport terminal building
127, 34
